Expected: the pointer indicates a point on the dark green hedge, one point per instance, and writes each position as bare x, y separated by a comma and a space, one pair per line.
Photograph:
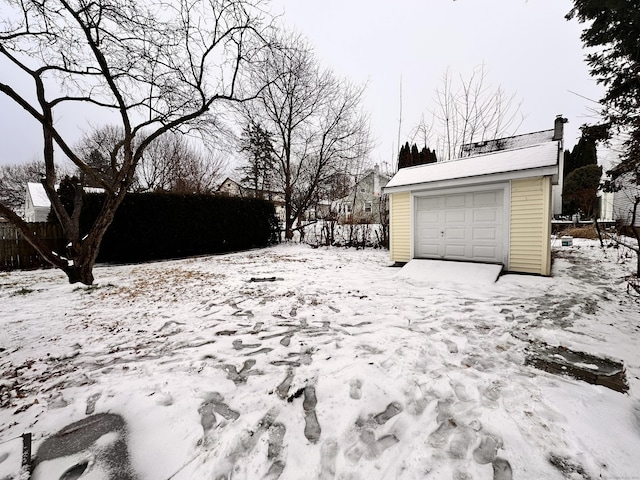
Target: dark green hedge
154, 226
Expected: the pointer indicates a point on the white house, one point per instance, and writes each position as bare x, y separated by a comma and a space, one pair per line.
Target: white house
36, 203
624, 201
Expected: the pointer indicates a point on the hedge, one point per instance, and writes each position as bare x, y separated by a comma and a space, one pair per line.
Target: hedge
153, 226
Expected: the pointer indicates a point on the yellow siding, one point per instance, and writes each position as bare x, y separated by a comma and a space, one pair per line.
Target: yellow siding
530, 250
400, 227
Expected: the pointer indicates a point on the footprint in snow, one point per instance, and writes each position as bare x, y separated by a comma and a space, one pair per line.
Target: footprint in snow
276, 441
328, 454
502, 469
241, 376
275, 448
283, 389
238, 345
393, 409
275, 470
91, 403
460, 442
312, 428
355, 389
369, 446
214, 403
487, 451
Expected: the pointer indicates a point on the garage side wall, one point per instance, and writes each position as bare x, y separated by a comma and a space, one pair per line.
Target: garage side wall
400, 227
530, 231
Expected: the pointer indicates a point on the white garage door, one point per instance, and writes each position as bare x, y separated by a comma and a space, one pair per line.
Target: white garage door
461, 226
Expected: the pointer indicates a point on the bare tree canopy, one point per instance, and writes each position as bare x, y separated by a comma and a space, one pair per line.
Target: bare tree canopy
172, 162
151, 67
465, 111
316, 120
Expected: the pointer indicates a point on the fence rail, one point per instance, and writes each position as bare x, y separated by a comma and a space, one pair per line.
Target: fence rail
17, 253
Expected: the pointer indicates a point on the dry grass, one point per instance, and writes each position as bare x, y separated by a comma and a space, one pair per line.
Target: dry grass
580, 232
170, 282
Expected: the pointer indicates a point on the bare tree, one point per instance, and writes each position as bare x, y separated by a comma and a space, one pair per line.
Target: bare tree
13, 183
468, 111
172, 164
316, 120
155, 66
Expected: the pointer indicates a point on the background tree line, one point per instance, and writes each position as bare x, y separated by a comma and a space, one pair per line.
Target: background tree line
226, 64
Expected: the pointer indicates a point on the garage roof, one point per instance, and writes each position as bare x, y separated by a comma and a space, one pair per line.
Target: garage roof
533, 160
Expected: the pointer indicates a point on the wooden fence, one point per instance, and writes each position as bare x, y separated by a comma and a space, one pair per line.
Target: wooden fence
17, 253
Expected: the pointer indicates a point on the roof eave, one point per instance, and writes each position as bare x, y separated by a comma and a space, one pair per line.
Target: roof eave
551, 170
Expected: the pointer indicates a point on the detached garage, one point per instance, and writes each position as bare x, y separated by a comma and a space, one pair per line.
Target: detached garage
490, 208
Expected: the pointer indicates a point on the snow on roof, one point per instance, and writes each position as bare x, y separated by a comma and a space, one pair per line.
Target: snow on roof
38, 195
509, 143
527, 158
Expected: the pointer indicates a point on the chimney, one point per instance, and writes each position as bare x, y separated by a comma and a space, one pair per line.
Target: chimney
376, 181
558, 127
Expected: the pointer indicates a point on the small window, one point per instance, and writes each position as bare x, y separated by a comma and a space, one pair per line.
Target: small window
368, 207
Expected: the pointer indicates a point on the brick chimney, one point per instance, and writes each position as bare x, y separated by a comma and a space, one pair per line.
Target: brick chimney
558, 127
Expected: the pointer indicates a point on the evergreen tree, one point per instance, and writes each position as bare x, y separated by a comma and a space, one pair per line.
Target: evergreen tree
583, 154
410, 156
69, 188
415, 155
581, 188
428, 156
613, 28
404, 157
259, 170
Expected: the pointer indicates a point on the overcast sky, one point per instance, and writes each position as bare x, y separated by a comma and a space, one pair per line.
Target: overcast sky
527, 47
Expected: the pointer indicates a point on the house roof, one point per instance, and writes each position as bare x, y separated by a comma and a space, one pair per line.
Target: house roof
38, 195
541, 159
509, 143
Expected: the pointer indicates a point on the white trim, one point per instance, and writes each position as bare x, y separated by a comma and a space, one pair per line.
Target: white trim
506, 211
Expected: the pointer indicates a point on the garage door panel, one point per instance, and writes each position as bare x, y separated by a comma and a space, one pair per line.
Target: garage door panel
429, 218
429, 203
486, 215
455, 234
455, 201
485, 233
430, 250
429, 234
455, 216
455, 251
488, 198
484, 251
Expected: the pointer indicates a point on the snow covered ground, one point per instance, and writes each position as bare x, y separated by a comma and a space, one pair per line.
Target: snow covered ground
327, 365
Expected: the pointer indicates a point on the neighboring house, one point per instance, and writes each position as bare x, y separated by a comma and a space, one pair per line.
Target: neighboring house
232, 188
36, 203
363, 204
624, 201
490, 207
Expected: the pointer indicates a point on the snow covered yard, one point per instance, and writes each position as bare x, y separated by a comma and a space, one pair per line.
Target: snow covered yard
326, 365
